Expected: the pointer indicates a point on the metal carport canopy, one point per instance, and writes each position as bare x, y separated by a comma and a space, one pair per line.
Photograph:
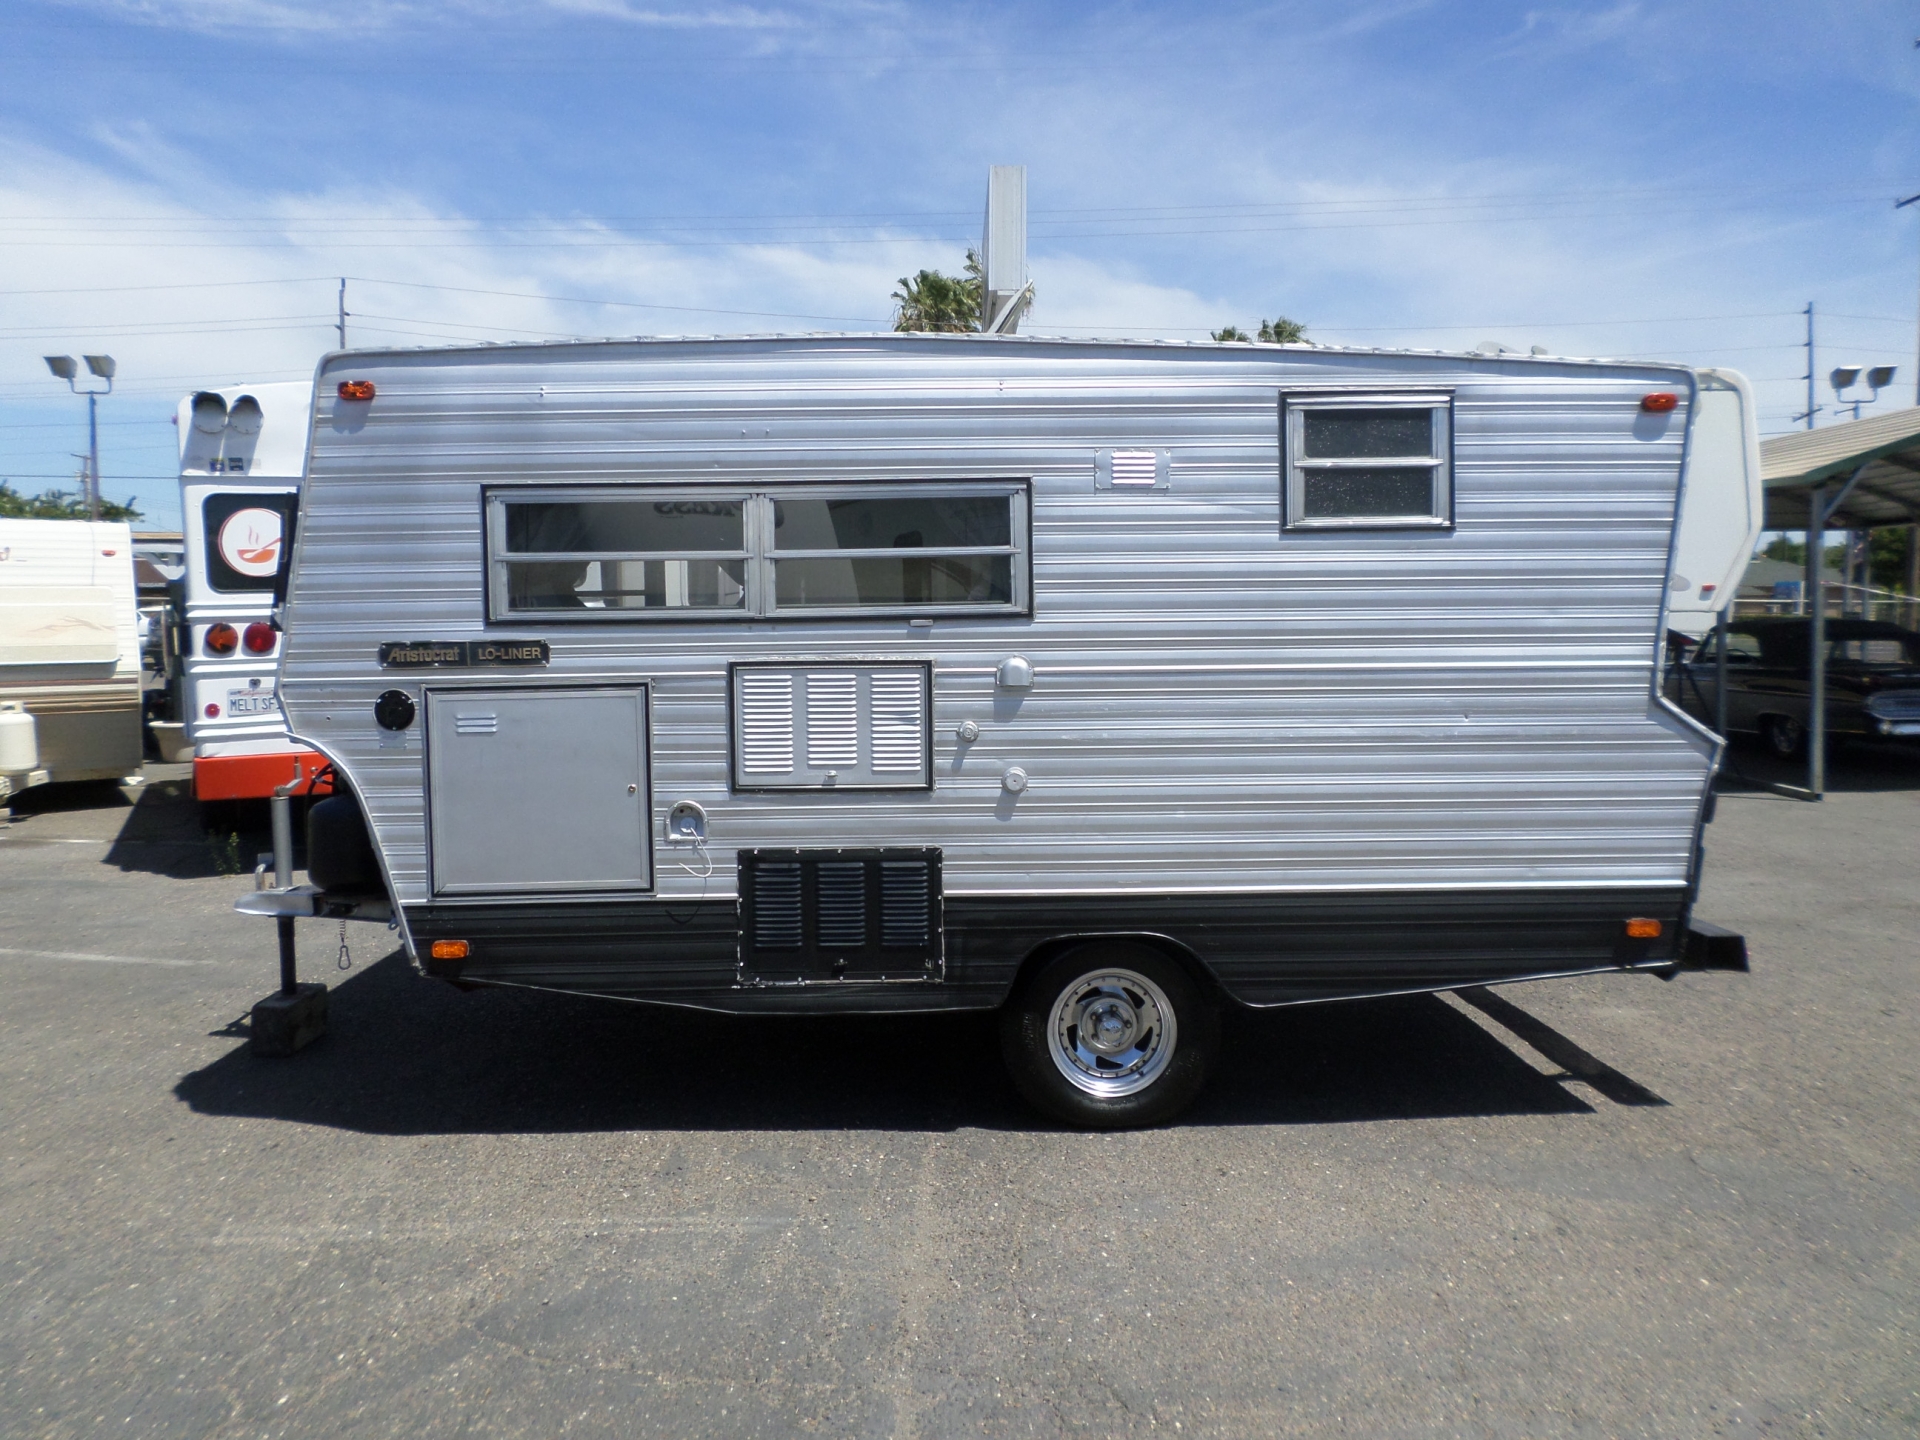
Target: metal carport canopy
1887, 492
1858, 475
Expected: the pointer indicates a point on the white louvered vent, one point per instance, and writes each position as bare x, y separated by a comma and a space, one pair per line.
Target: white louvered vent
766, 722
475, 724
1136, 467
833, 718
899, 721
832, 726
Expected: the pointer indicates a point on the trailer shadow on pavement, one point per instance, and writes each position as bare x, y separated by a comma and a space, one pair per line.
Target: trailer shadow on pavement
409, 1056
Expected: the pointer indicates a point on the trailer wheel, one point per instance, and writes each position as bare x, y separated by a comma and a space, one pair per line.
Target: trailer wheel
1110, 1036
1785, 736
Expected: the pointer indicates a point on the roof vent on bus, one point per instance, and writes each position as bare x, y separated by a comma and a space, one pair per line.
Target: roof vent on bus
209, 413
245, 417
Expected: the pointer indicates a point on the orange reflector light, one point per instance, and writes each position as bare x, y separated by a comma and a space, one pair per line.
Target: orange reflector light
221, 638
1638, 928
1659, 402
363, 390
457, 949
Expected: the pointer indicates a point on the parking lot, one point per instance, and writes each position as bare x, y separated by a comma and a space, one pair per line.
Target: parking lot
1604, 1207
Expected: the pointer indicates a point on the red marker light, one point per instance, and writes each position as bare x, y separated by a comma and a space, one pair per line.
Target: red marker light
1659, 402
356, 389
212, 710
221, 639
259, 638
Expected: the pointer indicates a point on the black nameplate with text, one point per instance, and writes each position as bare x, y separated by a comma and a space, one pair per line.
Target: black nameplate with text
462, 654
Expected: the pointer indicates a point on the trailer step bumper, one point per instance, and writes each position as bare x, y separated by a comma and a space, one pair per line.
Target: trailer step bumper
1711, 947
302, 901
255, 777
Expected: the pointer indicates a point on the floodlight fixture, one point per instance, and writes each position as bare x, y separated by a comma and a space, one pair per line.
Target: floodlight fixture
62, 366
1881, 376
1843, 376
101, 365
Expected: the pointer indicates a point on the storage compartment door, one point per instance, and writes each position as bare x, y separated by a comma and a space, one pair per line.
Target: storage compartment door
538, 791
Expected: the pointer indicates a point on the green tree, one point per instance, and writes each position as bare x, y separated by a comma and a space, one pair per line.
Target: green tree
59, 505
946, 303
1272, 332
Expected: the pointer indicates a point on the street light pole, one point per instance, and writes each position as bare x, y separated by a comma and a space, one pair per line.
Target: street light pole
102, 367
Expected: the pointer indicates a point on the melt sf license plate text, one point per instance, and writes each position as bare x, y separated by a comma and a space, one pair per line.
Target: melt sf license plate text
252, 702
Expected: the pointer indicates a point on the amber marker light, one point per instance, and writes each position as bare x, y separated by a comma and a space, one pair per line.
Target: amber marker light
1659, 402
221, 639
363, 390
451, 949
1641, 928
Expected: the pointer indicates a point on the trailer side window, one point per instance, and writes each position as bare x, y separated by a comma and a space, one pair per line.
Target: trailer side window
580, 553
1367, 461
893, 551
617, 553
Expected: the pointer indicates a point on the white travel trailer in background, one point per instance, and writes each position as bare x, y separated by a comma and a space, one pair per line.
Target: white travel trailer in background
241, 453
1097, 682
69, 652
1723, 507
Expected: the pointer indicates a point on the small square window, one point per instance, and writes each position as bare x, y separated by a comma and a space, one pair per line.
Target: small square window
1368, 461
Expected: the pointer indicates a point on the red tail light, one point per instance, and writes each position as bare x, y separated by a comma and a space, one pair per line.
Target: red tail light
1659, 402
259, 638
213, 710
221, 639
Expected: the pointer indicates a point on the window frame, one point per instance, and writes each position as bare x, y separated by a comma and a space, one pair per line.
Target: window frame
758, 554
1294, 464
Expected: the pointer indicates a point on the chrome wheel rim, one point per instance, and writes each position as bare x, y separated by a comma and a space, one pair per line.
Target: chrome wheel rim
1111, 1033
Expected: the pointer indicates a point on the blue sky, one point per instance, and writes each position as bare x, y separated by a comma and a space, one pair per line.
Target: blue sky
180, 178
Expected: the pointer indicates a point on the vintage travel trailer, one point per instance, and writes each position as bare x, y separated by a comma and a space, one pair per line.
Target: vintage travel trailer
241, 453
69, 652
1100, 683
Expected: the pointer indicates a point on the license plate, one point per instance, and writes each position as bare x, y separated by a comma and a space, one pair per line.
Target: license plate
252, 702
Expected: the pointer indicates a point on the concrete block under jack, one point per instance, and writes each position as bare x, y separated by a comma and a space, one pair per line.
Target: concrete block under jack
285, 1023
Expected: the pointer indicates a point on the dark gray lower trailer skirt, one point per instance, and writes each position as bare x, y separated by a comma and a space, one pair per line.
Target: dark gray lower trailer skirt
1262, 949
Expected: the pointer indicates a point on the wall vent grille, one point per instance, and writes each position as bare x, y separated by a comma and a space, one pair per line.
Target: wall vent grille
848, 726
837, 915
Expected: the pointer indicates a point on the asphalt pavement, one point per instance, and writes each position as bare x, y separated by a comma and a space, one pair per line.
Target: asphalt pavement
1603, 1207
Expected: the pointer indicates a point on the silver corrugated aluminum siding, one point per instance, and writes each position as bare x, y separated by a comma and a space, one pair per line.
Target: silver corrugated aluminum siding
1220, 705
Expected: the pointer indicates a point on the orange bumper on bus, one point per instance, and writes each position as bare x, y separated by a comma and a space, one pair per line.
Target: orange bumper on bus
256, 777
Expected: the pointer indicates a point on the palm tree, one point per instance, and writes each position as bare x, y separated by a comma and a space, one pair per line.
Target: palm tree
932, 301
1233, 332
1283, 332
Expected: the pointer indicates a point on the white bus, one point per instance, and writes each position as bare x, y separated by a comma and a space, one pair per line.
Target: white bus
241, 453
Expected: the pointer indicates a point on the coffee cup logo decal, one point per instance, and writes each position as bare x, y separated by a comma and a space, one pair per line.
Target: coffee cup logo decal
250, 541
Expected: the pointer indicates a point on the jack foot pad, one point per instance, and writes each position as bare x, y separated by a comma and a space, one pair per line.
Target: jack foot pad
283, 1024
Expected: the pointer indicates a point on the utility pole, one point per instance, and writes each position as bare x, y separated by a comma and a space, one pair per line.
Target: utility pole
1812, 408
1901, 205
341, 323
93, 455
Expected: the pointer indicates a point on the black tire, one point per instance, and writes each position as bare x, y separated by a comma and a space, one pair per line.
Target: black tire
1784, 737
1166, 1025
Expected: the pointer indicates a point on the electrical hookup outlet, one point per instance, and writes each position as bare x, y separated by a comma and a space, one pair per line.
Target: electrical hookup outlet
284, 1023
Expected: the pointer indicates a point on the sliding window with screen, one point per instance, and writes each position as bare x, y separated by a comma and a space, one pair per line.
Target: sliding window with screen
599, 553
1368, 461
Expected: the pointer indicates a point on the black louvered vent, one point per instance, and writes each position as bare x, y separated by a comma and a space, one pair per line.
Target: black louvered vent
841, 886
906, 903
777, 909
840, 914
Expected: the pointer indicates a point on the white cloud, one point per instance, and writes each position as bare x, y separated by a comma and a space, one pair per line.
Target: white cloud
292, 19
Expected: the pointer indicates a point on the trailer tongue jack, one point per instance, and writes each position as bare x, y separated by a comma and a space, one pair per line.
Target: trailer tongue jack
295, 1015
